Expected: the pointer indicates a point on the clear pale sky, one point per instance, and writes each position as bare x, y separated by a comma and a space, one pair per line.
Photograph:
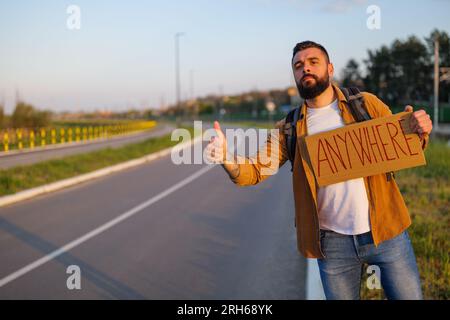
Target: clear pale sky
123, 55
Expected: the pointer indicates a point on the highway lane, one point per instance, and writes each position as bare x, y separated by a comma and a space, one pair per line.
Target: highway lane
42, 154
208, 239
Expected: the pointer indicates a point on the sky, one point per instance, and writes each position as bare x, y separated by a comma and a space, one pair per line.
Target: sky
123, 55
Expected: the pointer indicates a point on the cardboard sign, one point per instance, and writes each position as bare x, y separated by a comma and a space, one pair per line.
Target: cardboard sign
364, 149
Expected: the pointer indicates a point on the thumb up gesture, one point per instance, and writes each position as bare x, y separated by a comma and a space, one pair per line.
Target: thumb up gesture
217, 148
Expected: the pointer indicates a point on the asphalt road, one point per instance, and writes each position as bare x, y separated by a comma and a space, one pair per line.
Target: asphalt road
201, 238
38, 155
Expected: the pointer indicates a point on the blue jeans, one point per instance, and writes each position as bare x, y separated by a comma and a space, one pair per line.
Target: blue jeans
345, 255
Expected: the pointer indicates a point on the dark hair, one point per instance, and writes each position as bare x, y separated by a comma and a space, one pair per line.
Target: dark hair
309, 44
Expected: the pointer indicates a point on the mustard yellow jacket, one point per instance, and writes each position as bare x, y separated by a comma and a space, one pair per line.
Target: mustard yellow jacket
387, 210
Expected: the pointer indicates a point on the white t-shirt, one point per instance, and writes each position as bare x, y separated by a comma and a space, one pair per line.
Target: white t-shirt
343, 207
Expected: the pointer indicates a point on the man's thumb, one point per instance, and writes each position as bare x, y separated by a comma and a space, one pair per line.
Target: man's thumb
217, 128
408, 108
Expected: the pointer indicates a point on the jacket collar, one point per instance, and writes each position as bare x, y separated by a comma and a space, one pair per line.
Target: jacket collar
340, 96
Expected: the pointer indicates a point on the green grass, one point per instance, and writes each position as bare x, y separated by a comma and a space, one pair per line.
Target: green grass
426, 191
25, 177
252, 124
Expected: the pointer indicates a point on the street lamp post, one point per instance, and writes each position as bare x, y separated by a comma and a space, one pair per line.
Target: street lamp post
177, 74
436, 85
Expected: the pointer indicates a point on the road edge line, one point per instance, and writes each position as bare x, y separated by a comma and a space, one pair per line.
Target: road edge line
314, 289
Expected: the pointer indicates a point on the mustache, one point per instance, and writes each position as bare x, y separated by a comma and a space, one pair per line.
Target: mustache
309, 75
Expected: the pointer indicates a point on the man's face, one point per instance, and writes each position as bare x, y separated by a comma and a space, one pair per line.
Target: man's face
312, 72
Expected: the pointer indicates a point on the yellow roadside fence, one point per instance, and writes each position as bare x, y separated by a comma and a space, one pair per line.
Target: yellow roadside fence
29, 138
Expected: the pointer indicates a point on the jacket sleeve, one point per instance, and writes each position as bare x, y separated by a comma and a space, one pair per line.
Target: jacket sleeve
268, 159
380, 109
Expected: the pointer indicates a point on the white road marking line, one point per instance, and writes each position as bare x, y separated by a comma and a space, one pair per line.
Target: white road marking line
102, 228
314, 289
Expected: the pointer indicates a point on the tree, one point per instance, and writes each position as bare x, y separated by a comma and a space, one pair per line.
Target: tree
148, 114
379, 73
444, 46
22, 115
351, 75
41, 118
25, 116
206, 108
413, 79
400, 73
403, 72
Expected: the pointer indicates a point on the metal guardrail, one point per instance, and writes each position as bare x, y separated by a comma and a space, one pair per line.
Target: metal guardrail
29, 138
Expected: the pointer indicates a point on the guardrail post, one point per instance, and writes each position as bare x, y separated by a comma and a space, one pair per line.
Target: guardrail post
19, 139
62, 138
6, 141
53, 133
32, 139
69, 135
43, 134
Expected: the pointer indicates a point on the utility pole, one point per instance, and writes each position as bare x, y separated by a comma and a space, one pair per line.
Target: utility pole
255, 103
18, 99
219, 111
2, 102
436, 85
191, 83
192, 95
177, 75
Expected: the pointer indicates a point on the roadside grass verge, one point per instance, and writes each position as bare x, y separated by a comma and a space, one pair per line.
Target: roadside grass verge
426, 191
252, 124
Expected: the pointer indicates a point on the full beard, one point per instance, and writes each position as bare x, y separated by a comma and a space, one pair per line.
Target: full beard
313, 90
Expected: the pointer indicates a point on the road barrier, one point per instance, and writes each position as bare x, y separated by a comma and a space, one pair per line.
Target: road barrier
29, 138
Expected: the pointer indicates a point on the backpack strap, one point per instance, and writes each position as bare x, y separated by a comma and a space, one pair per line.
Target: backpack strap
355, 102
290, 131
